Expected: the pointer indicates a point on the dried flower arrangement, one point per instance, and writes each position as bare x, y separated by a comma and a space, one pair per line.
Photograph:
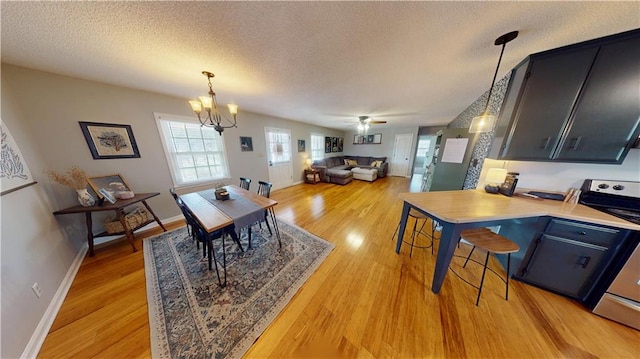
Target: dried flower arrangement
75, 178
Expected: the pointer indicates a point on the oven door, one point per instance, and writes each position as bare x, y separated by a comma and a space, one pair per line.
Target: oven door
622, 300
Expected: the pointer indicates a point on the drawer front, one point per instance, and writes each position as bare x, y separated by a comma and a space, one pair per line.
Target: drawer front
619, 309
582, 232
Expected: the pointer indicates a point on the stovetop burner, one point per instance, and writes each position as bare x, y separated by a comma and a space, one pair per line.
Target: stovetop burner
617, 198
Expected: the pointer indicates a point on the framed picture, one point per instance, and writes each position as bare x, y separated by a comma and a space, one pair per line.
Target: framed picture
246, 144
301, 146
14, 172
327, 145
113, 183
108, 195
108, 140
334, 144
340, 144
375, 139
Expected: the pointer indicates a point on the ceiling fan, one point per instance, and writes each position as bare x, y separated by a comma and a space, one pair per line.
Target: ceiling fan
366, 121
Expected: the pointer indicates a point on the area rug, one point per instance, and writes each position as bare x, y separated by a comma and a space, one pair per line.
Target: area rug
192, 317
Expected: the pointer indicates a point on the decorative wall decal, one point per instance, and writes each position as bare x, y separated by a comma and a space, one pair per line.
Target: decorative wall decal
108, 140
14, 172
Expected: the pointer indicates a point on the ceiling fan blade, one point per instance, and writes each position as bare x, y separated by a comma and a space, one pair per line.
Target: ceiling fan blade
377, 122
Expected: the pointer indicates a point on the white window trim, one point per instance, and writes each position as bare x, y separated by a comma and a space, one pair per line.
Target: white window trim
170, 162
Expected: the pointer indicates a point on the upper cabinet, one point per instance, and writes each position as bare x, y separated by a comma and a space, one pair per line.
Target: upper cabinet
580, 103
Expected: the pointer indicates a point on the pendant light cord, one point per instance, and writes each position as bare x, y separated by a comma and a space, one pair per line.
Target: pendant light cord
486, 106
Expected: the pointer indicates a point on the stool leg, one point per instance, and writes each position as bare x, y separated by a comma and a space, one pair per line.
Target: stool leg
469, 256
413, 236
506, 295
484, 270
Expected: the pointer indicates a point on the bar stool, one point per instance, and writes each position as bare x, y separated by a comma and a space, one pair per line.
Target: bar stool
485, 239
417, 216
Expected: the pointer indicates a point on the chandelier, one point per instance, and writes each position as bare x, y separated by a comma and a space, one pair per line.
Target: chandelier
210, 104
486, 121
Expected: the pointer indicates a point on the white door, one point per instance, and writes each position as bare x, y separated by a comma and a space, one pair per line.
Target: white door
400, 163
279, 157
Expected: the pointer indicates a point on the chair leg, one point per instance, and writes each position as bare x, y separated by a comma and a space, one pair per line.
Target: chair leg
484, 271
469, 256
413, 236
274, 220
224, 259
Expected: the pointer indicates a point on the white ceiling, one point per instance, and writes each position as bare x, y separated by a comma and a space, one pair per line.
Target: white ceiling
409, 63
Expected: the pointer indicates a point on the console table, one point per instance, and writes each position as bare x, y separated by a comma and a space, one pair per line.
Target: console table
118, 207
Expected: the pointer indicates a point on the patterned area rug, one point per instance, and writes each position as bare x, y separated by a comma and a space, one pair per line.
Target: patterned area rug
192, 317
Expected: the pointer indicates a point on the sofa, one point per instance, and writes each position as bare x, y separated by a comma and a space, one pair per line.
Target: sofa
338, 169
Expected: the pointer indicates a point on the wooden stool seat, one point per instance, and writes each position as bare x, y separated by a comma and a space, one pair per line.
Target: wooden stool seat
490, 242
483, 238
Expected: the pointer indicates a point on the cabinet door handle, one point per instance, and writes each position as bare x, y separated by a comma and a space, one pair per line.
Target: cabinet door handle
544, 143
575, 142
583, 261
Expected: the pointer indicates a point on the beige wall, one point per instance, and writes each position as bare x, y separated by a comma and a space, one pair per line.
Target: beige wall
42, 110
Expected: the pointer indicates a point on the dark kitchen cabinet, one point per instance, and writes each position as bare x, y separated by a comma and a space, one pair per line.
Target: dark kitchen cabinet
607, 113
580, 103
569, 257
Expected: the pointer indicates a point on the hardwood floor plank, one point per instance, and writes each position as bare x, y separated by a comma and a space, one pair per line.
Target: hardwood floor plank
363, 301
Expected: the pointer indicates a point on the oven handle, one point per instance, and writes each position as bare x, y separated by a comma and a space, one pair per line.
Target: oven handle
624, 303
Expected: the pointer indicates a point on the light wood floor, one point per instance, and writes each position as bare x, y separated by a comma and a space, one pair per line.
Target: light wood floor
364, 301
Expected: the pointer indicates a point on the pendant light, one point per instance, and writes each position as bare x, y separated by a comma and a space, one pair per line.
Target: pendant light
486, 121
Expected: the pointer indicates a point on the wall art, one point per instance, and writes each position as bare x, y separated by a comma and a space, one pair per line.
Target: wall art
301, 146
246, 144
108, 140
14, 174
113, 183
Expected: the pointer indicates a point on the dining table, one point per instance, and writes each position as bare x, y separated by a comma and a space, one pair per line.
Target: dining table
241, 210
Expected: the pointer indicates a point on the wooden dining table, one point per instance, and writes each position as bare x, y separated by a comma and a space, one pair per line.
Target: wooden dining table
242, 209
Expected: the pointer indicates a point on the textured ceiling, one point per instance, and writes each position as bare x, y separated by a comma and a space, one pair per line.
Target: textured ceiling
409, 63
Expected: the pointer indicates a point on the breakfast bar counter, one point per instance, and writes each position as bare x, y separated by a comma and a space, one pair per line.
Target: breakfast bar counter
459, 210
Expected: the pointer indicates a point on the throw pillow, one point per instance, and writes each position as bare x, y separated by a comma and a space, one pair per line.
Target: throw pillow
376, 163
352, 163
346, 161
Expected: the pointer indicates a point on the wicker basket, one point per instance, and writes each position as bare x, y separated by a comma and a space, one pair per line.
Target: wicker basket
133, 219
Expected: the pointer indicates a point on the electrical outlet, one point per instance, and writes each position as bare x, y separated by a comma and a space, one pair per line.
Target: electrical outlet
36, 289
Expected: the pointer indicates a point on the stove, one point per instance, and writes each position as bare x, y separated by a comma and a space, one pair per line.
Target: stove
617, 198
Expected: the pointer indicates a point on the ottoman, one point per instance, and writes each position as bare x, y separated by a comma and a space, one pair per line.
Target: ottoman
365, 174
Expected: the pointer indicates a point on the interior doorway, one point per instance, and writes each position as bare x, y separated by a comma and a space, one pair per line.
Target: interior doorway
424, 153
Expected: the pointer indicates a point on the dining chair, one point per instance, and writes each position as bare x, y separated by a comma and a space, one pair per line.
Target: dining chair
264, 189
245, 183
207, 240
182, 207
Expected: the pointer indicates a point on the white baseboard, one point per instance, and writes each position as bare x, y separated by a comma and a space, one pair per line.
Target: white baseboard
40, 334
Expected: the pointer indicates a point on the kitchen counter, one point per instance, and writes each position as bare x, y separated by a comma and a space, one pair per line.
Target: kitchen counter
477, 205
459, 210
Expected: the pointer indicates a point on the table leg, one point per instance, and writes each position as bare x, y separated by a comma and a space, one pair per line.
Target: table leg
275, 225
87, 216
127, 232
403, 225
448, 243
154, 215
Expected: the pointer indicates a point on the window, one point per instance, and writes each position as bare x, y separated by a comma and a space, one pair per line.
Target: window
423, 147
195, 153
317, 146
